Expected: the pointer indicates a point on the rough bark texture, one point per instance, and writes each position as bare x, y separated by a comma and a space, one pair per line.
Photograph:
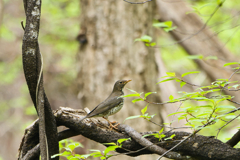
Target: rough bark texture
111, 54
32, 65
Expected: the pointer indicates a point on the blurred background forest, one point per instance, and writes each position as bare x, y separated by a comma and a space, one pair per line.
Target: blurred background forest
64, 77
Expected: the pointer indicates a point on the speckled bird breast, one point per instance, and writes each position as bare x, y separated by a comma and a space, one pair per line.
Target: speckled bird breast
113, 110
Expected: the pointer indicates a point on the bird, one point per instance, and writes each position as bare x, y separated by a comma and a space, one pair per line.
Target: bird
111, 105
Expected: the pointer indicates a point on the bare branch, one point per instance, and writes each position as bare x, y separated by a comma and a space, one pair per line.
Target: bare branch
137, 2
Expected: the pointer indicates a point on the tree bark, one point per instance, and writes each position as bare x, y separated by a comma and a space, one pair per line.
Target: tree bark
108, 53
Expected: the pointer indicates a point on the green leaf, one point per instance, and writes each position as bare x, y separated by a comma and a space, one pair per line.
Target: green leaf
110, 148
171, 97
73, 145
195, 57
171, 137
69, 157
230, 117
212, 57
96, 153
147, 135
169, 29
132, 90
74, 158
163, 24
66, 153
187, 73
144, 38
222, 79
235, 86
147, 94
123, 140
220, 2
182, 84
227, 107
147, 44
207, 106
55, 155
84, 156
231, 63
161, 131
132, 95
138, 99
171, 74
132, 117
165, 80
144, 109
111, 143
153, 44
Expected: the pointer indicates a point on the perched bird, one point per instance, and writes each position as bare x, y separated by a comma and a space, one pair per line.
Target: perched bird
111, 105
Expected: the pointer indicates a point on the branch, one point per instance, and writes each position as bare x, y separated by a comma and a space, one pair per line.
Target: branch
149, 145
198, 147
234, 140
137, 2
33, 66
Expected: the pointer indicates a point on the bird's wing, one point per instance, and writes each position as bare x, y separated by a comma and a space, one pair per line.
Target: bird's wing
105, 105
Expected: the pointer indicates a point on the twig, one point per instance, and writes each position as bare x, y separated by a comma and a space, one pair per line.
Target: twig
202, 28
227, 124
22, 25
137, 2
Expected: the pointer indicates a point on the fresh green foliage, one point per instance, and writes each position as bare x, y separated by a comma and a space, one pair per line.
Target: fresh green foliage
68, 146
144, 115
172, 76
167, 26
147, 40
187, 73
199, 116
160, 135
231, 63
111, 147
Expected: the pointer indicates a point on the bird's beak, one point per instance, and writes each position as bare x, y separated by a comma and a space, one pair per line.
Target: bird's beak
127, 81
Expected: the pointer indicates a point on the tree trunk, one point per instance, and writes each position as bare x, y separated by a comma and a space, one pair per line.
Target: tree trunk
110, 54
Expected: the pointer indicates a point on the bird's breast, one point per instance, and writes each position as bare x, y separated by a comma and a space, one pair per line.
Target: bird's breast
116, 109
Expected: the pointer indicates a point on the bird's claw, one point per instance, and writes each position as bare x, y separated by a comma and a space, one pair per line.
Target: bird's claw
113, 126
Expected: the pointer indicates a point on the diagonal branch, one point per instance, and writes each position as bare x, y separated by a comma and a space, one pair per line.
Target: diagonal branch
234, 140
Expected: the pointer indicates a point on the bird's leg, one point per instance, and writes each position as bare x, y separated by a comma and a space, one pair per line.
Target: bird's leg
116, 125
114, 122
110, 123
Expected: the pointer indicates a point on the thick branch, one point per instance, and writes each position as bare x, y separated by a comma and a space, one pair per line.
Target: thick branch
198, 147
234, 140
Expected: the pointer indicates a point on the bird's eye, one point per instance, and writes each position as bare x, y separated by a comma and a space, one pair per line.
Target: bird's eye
120, 82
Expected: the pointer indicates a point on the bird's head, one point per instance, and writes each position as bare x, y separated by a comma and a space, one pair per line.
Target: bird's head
119, 85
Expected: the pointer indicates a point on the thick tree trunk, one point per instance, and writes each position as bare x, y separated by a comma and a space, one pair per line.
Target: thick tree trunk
110, 54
